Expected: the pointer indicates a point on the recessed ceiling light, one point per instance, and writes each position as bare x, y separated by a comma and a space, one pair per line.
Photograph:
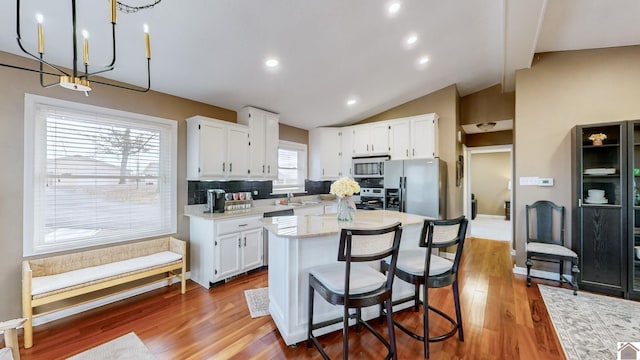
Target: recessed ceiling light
423, 60
351, 102
412, 39
272, 63
393, 8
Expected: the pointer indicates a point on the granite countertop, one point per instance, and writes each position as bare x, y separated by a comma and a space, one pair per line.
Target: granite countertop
260, 207
320, 225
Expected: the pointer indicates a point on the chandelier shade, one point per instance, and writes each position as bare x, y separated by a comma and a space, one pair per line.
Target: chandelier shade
486, 126
79, 78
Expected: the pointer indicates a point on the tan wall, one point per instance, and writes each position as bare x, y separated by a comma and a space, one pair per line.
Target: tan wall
489, 138
490, 173
294, 134
562, 90
15, 83
487, 105
445, 103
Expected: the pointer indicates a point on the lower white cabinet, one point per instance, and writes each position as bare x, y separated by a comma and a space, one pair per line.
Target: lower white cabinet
224, 248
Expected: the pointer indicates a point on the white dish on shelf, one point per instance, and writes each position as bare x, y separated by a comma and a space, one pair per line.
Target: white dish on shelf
600, 171
596, 201
637, 251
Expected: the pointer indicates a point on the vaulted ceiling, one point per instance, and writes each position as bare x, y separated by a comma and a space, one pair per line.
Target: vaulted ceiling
329, 52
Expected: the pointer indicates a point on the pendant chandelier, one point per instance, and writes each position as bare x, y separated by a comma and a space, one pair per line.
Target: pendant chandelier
76, 79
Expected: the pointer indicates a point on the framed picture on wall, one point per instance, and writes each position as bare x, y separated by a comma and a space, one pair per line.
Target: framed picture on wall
459, 170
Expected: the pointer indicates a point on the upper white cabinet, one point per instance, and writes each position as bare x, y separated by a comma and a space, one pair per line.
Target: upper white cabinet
216, 149
346, 143
263, 144
370, 139
399, 139
414, 137
325, 154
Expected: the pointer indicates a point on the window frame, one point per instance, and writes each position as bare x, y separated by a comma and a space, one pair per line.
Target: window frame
302, 171
33, 216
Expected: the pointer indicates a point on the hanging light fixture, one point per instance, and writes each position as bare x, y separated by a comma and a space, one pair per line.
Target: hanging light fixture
486, 126
79, 80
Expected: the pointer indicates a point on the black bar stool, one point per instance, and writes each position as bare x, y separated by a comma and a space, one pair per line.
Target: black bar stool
422, 268
354, 284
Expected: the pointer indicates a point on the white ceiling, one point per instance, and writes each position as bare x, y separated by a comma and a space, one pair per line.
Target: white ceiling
213, 51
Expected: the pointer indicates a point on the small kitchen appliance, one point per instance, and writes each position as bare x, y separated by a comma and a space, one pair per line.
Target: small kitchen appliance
215, 201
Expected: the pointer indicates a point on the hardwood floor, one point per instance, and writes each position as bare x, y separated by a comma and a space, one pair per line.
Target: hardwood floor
503, 319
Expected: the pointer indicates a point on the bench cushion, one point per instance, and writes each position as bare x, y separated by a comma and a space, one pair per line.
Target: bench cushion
51, 284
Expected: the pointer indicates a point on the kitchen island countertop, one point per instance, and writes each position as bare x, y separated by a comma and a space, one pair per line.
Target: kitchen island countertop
307, 226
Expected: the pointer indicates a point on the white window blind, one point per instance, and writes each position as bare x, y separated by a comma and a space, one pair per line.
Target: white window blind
97, 176
292, 165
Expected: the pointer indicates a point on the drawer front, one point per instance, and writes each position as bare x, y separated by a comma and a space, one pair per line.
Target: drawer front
236, 225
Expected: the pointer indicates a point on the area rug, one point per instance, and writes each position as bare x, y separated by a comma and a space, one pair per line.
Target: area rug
127, 347
590, 326
258, 301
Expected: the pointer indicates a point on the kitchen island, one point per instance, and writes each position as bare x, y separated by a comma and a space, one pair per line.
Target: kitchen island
297, 243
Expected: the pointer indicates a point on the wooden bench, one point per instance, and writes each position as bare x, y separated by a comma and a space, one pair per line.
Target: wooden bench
52, 279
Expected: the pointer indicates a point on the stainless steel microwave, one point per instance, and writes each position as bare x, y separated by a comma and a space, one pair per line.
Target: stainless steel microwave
369, 167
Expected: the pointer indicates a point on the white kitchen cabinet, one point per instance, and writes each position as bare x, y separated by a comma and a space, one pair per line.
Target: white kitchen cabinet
331, 209
424, 136
346, 143
399, 139
216, 149
325, 158
414, 137
370, 139
264, 137
224, 248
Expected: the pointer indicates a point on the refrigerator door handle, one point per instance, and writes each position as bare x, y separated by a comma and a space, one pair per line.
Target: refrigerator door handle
404, 194
400, 196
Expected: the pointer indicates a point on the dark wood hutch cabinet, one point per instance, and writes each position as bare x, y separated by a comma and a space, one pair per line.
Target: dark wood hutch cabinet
606, 207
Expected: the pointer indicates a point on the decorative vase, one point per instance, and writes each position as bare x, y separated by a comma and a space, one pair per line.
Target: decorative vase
346, 208
597, 142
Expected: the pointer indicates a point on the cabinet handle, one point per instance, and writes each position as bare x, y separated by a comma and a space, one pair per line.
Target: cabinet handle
245, 241
407, 153
413, 152
239, 245
367, 147
241, 225
230, 167
371, 147
223, 168
322, 171
268, 169
263, 169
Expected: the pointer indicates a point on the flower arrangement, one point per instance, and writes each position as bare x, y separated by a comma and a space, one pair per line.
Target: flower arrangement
344, 187
597, 137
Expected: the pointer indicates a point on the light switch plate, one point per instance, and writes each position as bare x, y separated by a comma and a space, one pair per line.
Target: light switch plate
529, 181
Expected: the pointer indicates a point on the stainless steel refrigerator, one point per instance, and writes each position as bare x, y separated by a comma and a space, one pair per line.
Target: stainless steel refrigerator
416, 187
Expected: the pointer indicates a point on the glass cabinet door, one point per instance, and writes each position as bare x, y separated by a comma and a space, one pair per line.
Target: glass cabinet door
634, 221
601, 166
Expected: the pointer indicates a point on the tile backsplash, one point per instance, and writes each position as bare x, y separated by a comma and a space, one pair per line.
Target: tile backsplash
197, 190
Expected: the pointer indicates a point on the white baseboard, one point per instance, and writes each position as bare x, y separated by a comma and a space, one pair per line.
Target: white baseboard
540, 274
487, 216
57, 315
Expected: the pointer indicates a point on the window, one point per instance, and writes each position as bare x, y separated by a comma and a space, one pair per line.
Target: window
292, 167
95, 176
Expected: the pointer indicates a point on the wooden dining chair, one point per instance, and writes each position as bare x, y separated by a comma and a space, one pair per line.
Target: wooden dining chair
545, 241
354, 284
